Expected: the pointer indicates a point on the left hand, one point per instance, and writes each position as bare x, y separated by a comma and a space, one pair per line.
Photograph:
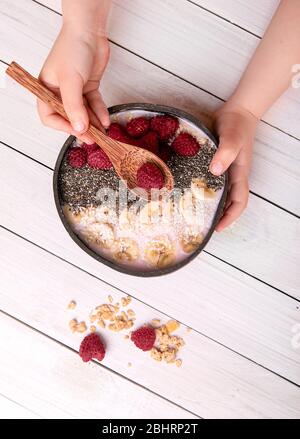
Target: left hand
73, 70
235, 127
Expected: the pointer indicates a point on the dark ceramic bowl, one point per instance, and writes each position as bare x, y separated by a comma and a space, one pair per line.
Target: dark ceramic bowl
124, 269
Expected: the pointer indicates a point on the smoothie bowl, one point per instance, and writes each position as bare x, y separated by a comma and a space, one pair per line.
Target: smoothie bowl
142, 237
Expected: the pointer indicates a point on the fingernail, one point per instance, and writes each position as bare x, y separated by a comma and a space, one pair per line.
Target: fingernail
78, 126
216, 168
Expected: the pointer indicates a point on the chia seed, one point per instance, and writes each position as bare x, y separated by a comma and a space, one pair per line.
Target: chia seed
79, 186
184, 169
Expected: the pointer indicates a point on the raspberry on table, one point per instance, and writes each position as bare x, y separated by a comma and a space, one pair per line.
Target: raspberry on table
138, 127
185, 145
149, 176
99, 160
144, 338
92, 347
76, 157
165, 126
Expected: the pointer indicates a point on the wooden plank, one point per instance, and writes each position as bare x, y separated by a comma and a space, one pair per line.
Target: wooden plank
212, 382
253, 16
51, 380
225, 304
11, 410
275, 169
196, 45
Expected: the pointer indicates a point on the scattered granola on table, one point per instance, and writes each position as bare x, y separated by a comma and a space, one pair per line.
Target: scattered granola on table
159, 339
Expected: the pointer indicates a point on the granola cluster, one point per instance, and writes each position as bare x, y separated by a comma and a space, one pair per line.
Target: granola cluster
107, 315
167, 346
114, 317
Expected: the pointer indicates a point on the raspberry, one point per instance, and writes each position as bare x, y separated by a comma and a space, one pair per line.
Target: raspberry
149, 176
138, 127
76, 157
89, 148
185, 145
144, 338
165, 126
116, 132
165, 152
99, 160
92, 347
150, 142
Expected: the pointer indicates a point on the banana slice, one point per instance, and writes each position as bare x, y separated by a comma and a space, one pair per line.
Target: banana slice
156, 212
191, 209
127, 219
125, 250
71, 216
105, 214
200, 190
187, 208
190, 240
88, 216
186, 201
160, 252
101, 234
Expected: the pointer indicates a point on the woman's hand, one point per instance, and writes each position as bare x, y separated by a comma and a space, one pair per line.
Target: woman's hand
74, 69
235, 127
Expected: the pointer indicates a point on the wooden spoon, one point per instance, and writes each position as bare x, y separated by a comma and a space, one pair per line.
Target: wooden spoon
126, 159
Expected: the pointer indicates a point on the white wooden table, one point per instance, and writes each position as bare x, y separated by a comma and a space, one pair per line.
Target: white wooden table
241, 296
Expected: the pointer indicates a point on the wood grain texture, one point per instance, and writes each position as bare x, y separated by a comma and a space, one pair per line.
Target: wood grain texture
53, 382
196, 45
225, 304
275, 171
48, 284
253, 16
13, 410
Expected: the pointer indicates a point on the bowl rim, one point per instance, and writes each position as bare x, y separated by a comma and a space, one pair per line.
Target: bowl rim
124, 269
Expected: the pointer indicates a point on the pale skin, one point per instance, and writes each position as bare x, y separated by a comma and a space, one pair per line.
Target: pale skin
79, 57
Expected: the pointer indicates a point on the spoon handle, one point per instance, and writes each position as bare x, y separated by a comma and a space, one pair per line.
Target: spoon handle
15, 71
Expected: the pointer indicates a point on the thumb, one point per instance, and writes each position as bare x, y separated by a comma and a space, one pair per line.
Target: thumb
228, 150
71, 89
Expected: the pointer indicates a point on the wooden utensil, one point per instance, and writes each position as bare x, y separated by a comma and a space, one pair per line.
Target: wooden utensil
126, 159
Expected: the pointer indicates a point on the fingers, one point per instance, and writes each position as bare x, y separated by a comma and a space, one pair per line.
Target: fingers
96, 103
236, 203
230, 145
54, 120
72, 96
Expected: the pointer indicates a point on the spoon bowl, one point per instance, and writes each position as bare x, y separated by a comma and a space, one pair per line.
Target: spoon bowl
127, 159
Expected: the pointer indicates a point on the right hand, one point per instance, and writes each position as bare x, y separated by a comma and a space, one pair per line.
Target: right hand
235, 127
73, 70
